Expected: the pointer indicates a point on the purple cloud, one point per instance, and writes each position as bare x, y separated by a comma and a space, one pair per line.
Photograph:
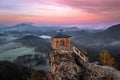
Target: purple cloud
98, 7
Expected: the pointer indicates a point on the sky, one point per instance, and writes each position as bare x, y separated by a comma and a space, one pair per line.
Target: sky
61, 12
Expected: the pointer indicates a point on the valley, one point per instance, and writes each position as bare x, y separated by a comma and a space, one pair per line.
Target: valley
22, 43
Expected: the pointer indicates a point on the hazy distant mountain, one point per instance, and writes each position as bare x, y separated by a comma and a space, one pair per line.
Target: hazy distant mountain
115, 28
95, 42
91, 40
31, 40
114, 31
88, 38
1, 34
28, 28
71, 29
40, 44
24, 27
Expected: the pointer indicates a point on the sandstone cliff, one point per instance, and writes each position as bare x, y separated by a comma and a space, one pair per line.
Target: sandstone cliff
74, 65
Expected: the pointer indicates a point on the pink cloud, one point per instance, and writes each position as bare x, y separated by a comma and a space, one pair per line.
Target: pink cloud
60, 11
99, 7
61, 19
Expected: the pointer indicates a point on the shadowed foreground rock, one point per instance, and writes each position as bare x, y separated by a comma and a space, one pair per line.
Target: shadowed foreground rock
74, 65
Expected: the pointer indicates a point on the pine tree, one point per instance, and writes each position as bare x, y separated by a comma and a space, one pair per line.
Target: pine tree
106, 58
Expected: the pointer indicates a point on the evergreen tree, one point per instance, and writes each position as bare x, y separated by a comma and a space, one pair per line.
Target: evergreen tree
106, 58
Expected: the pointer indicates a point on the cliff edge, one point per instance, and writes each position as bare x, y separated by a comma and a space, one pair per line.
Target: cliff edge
73, 64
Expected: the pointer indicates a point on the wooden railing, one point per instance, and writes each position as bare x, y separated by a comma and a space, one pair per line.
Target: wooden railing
83, 56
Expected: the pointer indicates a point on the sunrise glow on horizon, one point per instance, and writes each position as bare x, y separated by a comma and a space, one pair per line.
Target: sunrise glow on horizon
60, 11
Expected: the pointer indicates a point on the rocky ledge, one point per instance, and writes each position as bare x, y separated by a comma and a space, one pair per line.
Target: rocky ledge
74, 65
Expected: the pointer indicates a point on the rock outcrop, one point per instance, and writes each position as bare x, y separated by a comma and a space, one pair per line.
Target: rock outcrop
63, 66
73, 64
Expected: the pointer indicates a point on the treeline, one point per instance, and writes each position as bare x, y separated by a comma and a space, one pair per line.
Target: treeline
10, 71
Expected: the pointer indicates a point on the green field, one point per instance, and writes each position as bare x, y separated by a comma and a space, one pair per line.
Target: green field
12, 50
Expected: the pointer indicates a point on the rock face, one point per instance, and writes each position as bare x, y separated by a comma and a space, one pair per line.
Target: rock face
74, 65
63, 66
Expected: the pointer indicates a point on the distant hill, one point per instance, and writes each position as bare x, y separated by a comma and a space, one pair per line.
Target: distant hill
71, 29
114, 28
24, 27
10, 71
40, 44
114, 31
1, 34
95, 42
92, 41
29, 28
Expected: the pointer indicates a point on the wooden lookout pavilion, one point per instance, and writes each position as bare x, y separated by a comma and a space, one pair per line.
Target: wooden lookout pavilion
60, 41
